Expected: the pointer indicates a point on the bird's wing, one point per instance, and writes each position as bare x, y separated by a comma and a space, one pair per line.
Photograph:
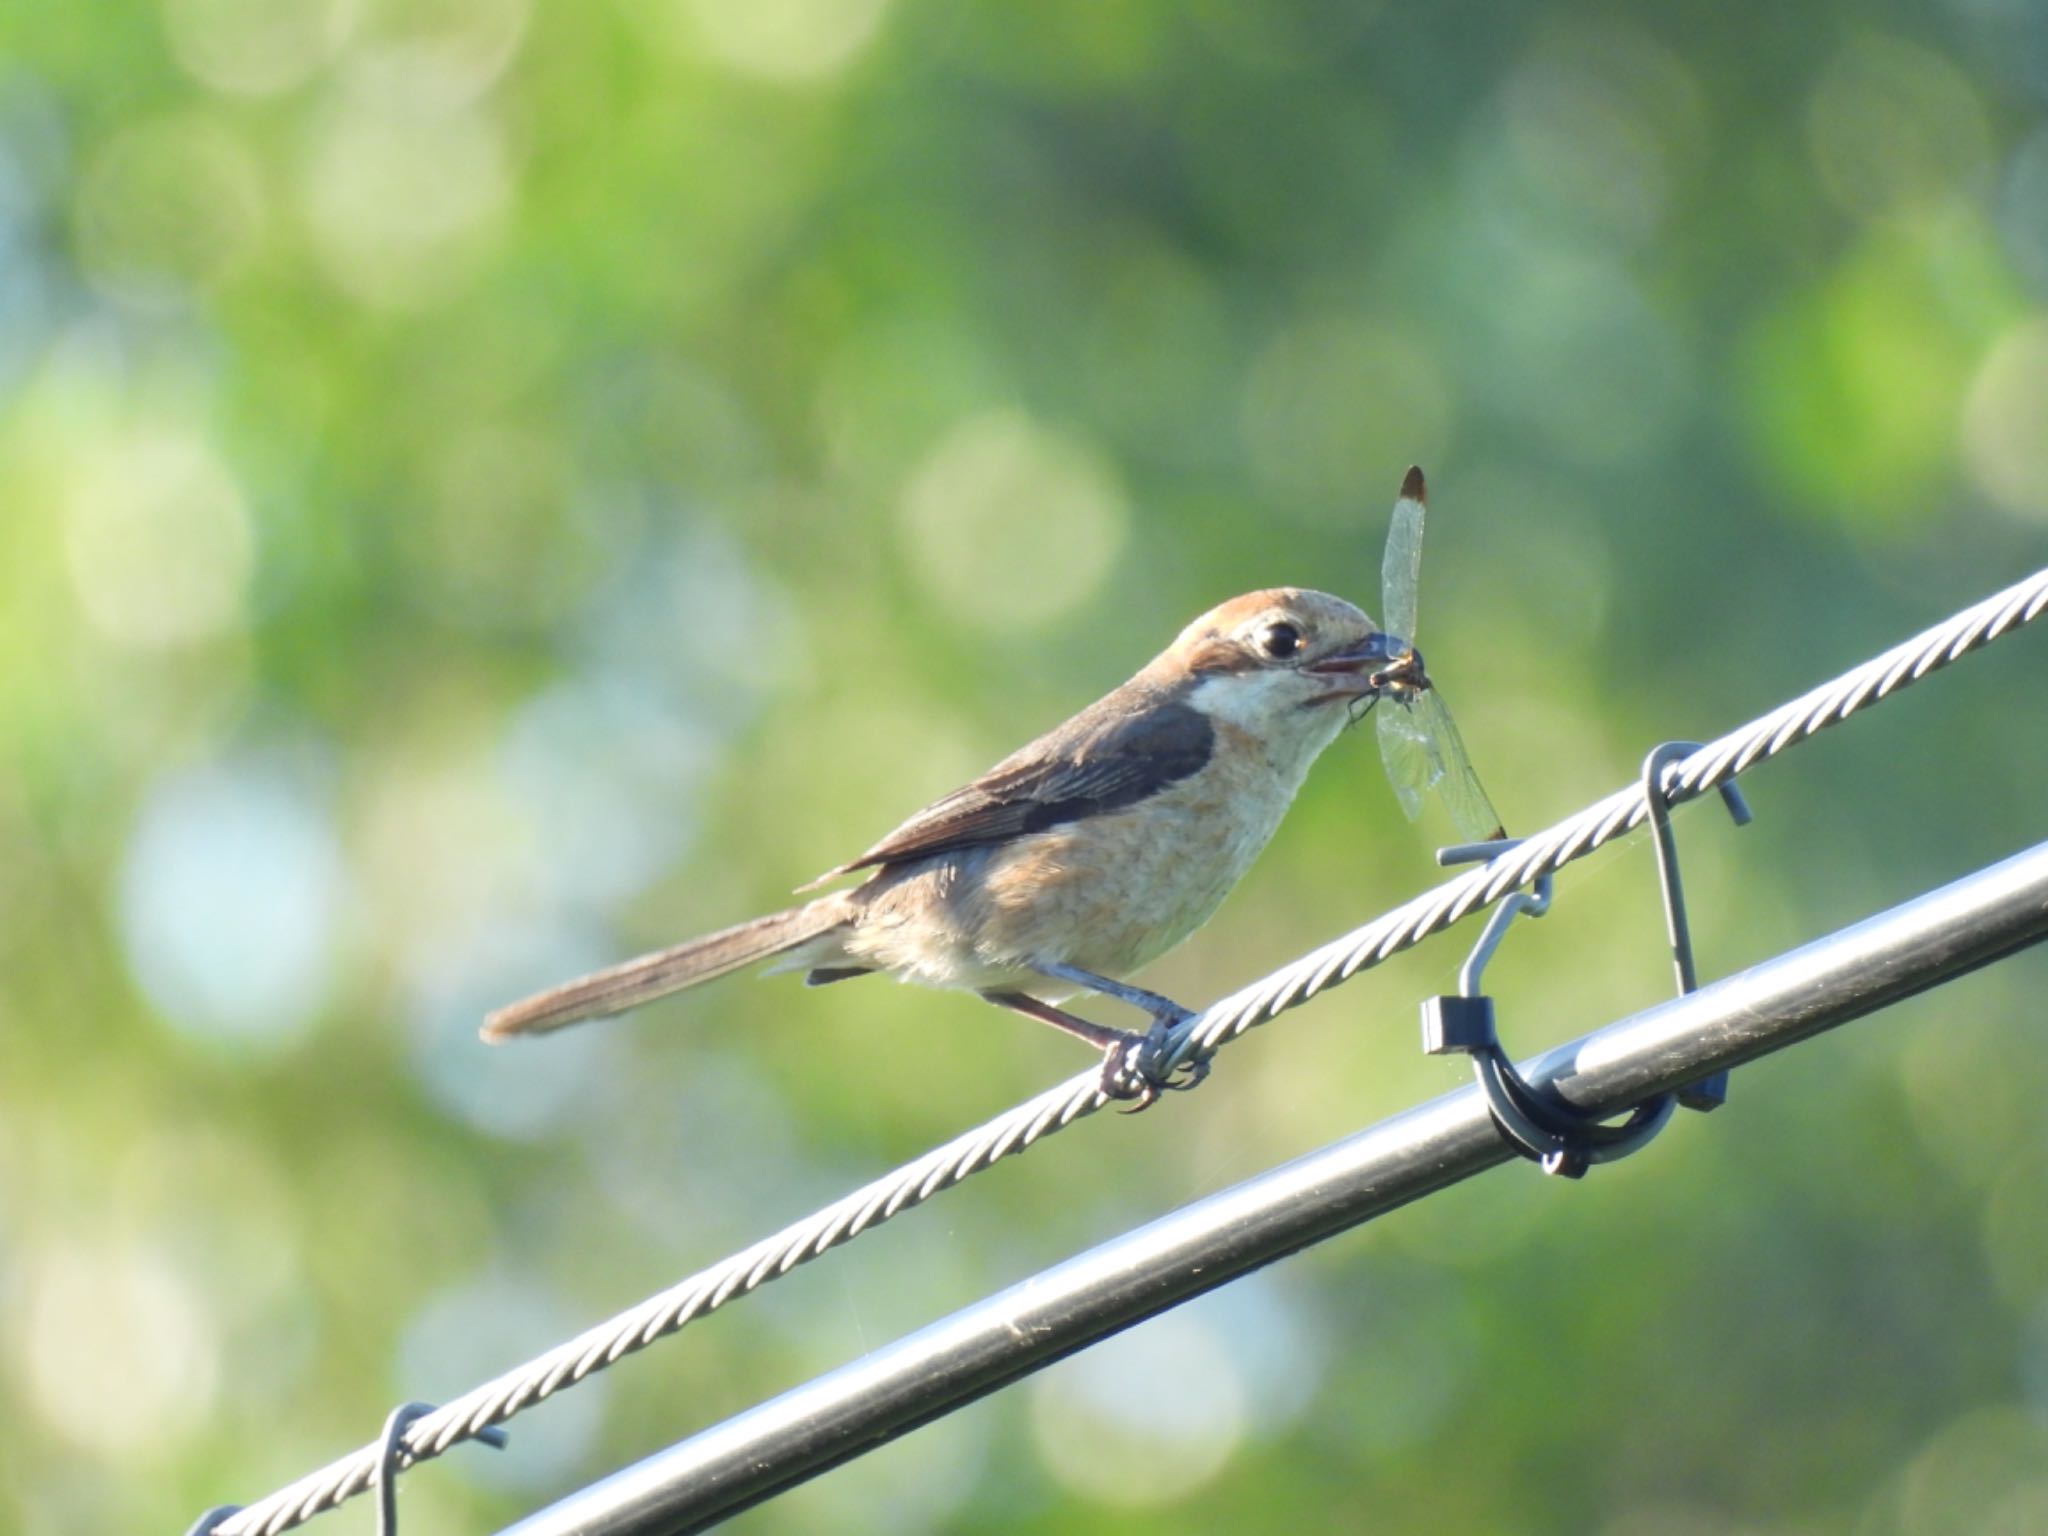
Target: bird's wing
1111, 756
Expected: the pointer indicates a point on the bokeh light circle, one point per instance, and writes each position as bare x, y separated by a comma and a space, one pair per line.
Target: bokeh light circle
230, 893
1895, 128
158, 540
401, 195
2005, 421
1145, 1418
1011, 524
255, 47
790, 40
120, 1356
167, 210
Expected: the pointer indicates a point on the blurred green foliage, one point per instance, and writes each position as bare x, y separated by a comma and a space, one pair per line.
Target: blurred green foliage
489, 487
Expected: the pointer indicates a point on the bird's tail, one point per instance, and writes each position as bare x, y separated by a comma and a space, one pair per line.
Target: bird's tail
627, 985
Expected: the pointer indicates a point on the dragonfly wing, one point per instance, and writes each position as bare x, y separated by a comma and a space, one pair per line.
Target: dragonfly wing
1464, 797
1401, 569
1423, 752
1408, 752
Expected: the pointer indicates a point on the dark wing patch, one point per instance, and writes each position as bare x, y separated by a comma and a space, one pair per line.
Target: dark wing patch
825, 975
1114, 754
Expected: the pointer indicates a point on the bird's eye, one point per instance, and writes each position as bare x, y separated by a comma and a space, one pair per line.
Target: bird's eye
1280, 641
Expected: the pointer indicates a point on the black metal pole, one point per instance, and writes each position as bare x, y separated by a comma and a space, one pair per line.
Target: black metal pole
756, 1454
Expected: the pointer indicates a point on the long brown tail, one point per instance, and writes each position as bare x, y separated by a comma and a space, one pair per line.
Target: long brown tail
614, 990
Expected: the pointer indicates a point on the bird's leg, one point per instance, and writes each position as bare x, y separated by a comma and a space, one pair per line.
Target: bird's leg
1164, 1010
1101, 1036
1140, 1062
1126, 1057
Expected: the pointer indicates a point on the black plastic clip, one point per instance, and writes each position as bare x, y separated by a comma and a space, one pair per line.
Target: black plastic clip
1538, 1126
1547, 1132
393, 1458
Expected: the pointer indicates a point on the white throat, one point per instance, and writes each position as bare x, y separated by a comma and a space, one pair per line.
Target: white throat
1273, 707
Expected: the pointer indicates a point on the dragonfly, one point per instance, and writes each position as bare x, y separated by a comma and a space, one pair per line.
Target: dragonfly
1419, 742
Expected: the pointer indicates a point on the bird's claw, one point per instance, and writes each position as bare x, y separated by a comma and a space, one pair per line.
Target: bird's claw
1131, 1068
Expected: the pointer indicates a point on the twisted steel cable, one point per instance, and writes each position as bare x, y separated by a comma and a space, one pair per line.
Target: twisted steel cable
671, 1310
1712, 765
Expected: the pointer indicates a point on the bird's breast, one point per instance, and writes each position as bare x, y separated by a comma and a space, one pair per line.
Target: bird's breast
1113, 893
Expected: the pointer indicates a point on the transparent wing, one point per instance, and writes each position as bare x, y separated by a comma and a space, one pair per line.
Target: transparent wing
1405, 749
1471, 811
1420, 744
1401, 570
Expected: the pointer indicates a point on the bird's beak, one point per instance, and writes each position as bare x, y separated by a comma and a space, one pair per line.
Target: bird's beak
1377, 663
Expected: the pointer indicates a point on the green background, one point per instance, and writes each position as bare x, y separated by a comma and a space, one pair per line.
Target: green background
489, 487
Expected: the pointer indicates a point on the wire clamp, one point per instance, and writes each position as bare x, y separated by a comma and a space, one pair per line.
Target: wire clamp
394, 1457
1537, 1125
1549, 1133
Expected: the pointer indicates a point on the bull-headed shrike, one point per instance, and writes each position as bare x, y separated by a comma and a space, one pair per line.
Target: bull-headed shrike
1083, 856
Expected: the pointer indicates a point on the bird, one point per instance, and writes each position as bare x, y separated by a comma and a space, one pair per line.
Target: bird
1078, 859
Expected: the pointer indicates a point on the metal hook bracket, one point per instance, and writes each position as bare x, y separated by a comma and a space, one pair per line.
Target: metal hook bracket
393, 1458
1708, 1092
1558, 1138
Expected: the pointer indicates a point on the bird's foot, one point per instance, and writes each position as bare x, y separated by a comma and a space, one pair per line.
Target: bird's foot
1134, 1067
1133, 1070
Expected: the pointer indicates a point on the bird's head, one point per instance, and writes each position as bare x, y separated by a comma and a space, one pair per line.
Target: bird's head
1286, 663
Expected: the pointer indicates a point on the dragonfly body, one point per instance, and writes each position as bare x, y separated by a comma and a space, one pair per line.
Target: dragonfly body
1419, 742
